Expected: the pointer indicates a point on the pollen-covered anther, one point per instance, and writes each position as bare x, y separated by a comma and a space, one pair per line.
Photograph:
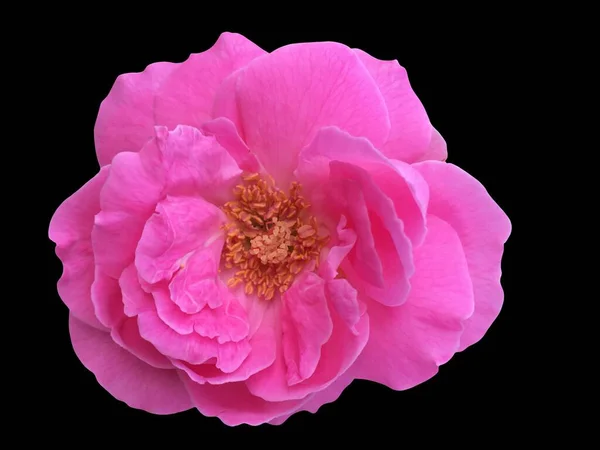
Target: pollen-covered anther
270, 238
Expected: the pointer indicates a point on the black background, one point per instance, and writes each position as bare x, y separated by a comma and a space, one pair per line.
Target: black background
463, 77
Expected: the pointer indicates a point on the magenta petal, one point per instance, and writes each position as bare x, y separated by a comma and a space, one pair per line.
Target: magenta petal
196, 164
409, 342
483, 228
282, 99
226, 134
126, 117
186, 97
107, 299
179, 227
234, 404
306, 326
126, 377
437, 150
127, 335
318, 399
135, 299
410, 129
70, 228
191, 348
344, 299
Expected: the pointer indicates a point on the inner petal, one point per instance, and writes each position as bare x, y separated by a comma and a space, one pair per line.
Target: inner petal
271, 236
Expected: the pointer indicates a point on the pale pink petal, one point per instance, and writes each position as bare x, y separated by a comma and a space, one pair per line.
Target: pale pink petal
126, 377
483, 228
337, 355
283, 98
71, 228
126, 117
187, 95
437, 150
262, 354
225, 324
409, 342
234, 404
318, 399
402, 184
135, 299
226, 134
180, 226
107, 299
196, 164
127, 335
306, 326
410, 131
191, 348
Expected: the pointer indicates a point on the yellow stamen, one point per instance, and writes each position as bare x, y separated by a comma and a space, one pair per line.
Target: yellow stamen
270, 238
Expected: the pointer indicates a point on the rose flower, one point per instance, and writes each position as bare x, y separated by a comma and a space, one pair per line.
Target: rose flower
267, 227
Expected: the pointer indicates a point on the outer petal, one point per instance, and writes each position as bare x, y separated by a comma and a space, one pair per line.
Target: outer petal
437, 150
482, 227
409, 342
187, 95
410, 131
318, 399
234, 404
126, 117
71, 230
283, 98
127, 378
127, 335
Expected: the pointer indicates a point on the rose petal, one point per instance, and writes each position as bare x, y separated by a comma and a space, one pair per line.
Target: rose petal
483, 228
180, 226
135, 299
126, 377
70, 228
191, 348
126, 117
107, 299
127, 335
410, 129
226, 134
409, 342
186, 97
437, 148
283, 98
306, 326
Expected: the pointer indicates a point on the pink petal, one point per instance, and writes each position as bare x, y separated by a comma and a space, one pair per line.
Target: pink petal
180, 226
226, 134
126, 117
437, 148
71, 228
127, 200
341, 244
227, 323
187, 95
234, 404
410, 130
135, 299
282, 99
126, 377
196, 164
404, 186
318, 399
337, 355
409, 342
127, 335
262, 354
344, 299
191, 348
107, 299
306, 326
483, 228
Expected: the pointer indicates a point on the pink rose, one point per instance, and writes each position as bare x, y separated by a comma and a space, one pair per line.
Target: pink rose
267, 227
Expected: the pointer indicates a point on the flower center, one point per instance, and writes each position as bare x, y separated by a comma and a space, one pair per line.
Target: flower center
270, 237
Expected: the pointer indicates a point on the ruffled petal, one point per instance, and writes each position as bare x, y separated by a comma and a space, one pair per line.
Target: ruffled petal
483, 228
71, 228
126, 377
